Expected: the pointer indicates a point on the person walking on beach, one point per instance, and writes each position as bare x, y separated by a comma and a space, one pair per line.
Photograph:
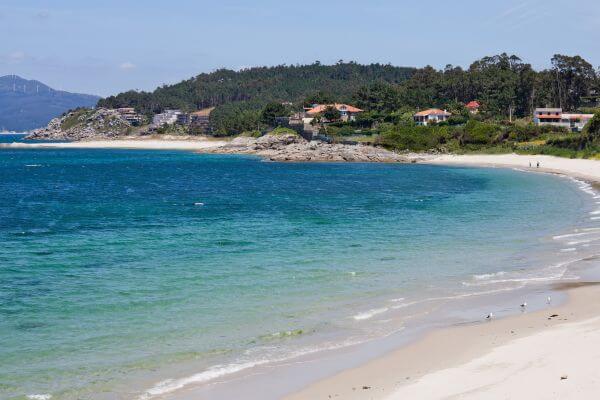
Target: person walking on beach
538, 164
529, 164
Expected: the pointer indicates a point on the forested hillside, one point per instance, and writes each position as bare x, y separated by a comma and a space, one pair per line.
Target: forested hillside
503, 84
263, 84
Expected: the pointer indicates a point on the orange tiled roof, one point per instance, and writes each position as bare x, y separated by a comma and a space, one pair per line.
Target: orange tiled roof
204, 112
431, 111
322, 107
473, 104
544, 116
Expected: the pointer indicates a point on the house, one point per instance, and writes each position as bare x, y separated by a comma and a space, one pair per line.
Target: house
167, 117
129, 115
473, 106
431, 116
347, 113
183, 119
200, 120
556, 117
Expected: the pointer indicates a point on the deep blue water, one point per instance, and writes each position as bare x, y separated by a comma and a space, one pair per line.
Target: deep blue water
118, 264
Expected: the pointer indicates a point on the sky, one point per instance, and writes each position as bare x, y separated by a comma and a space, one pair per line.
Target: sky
105, 47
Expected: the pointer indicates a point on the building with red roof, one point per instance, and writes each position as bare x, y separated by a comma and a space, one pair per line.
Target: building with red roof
473, 106
347, 112
431, 116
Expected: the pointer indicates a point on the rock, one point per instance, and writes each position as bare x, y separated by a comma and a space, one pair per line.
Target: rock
293, 148
84, 124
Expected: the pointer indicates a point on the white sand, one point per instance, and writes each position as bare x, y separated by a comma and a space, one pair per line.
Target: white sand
528, 368
579, 168
149, 144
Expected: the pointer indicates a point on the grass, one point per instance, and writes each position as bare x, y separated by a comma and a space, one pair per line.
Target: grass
73, 119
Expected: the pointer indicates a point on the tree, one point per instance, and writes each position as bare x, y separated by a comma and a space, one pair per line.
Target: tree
271, 111
574, 78
331, 114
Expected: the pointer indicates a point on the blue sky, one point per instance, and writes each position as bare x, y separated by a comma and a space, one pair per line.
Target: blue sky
104, 47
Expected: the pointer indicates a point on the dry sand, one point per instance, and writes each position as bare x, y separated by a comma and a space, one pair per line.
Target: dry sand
577, 168
128, 143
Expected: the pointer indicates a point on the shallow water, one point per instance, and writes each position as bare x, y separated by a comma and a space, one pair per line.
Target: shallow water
118, 267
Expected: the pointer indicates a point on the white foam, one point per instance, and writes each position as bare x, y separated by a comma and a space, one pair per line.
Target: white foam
482, 277
568, 235
595, 218
397, 300
217, 371
568, 250
370, 314
171, 385
198, 204
39, 396
32, 166
595, 212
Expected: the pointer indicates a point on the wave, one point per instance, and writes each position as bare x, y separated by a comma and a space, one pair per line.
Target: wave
568, 250
217, 371
39, 396
370, 314
481, 277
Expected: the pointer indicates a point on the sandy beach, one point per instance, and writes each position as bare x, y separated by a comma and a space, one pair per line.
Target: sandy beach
150, 143
548, 354
578, 168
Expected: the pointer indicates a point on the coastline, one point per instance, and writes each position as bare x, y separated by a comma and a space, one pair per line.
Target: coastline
511, 357
447, 357
514, 357
585, 169
149, 143
386, 376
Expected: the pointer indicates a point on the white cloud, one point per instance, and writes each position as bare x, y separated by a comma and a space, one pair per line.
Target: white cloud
16, 56
127, 66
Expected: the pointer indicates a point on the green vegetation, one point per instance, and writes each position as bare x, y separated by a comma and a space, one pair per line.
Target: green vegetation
283, 131
254, 100
75, 117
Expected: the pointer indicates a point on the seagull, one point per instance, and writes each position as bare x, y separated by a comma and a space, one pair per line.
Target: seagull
489, 316
524, 305
549, 300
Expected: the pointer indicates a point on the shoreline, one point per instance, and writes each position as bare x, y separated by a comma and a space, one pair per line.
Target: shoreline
382, 374
585, 169
487, 359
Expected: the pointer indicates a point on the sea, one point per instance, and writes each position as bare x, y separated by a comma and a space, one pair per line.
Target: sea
135, 274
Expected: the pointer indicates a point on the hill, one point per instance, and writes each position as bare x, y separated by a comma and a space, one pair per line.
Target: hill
29, 104
252, 88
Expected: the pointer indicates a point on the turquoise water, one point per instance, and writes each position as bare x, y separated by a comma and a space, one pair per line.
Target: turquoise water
120, 268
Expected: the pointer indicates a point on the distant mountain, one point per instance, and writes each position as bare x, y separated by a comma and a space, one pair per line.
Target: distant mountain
29, 104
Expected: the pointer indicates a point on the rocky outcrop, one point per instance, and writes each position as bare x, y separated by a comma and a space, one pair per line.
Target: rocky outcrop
84, 124
295, 148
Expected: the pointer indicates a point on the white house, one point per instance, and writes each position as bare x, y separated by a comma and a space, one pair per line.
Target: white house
167, 117
556, 117
431, 116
